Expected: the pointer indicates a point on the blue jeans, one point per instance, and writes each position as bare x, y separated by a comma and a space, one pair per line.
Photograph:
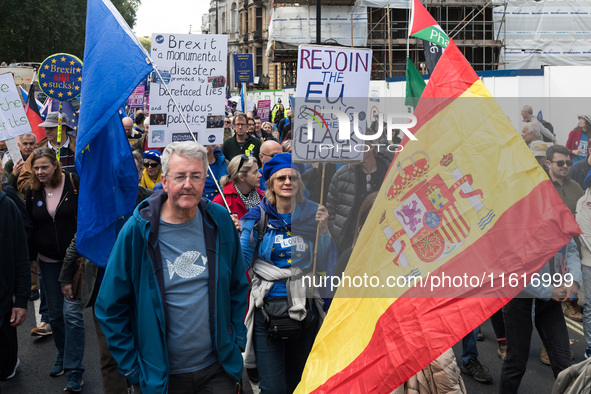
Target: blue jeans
42, 301
469, 349
587, 307
281, 363
549, 322
55, 304
75, 340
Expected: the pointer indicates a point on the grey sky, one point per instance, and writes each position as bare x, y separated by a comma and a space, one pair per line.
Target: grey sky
170, 16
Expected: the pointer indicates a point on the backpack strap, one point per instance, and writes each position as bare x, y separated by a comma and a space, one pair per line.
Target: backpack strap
261, 227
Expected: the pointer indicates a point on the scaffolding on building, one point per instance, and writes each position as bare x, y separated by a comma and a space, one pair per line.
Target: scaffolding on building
468, 22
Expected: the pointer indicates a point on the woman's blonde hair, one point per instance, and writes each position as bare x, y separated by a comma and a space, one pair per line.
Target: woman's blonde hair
270, 194
57, 175
238, 165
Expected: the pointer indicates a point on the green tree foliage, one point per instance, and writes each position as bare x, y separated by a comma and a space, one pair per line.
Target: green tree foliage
146, 42
31, 30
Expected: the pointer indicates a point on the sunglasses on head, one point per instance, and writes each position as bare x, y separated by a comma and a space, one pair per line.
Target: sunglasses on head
561, 163
151, 165
243, 158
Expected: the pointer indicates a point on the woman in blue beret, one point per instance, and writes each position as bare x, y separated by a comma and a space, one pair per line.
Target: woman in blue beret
152, 169
282, 259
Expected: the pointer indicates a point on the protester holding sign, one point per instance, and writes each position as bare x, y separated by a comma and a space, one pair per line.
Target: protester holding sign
280, 258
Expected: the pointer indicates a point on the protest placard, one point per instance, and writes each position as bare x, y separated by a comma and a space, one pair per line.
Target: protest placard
60, 76
13, 120
264, 110
195, 67
243, 68
136, 100
331, 103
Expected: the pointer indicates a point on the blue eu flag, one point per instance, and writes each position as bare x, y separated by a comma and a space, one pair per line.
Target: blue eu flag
114, 64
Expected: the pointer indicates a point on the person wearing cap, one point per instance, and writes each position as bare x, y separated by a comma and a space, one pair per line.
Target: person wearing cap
283, 257
538, 149
67, 148
152, 169
578, 139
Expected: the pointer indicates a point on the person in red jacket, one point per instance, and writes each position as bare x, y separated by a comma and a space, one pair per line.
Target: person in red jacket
577, 142
241, 185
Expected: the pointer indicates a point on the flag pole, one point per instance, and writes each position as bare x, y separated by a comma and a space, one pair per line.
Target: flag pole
59, 131
317, 232
31, 84
390, 40
192, 135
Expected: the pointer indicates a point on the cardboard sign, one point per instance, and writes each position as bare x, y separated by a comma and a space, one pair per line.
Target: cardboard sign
193, 66
13, 120
330, 108
264, 110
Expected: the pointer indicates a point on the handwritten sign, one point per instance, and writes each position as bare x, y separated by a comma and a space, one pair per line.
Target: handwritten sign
13, 120
331, 94
195, 67
60, 76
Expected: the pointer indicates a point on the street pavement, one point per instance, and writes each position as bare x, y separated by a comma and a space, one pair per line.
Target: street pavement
37, 355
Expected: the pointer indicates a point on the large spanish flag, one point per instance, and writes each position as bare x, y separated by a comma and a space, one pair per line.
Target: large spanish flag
468, 202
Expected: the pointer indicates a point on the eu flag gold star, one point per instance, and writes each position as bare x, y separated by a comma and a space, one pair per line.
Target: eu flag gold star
60, 94
42, 75
289, 261
78, 70
79, 79
71, 62
69, 93
44, 84
289, 233
53, 61
299, 255
46, 66
50, 91
281, 255
76, 87
63, 59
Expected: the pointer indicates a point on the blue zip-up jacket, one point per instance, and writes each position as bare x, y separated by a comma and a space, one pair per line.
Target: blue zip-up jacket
131, 307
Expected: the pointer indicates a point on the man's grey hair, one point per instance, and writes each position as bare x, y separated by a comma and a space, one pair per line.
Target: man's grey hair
20, 138
528, 109
189, 149
534, 128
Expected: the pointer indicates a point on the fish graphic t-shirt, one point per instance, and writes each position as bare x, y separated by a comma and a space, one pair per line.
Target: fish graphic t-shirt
184, 262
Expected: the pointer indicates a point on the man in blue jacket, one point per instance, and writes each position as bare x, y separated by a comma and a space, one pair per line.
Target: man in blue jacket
173, 299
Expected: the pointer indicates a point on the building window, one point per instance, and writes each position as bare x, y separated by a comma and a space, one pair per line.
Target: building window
259, 20
259, 62
233, 18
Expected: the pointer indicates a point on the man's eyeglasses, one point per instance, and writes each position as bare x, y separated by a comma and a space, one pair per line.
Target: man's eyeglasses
561, 163
292, 178
195, 179
151, 165
240, 124
271, 155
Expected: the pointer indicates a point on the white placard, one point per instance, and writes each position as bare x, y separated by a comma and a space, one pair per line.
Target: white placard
194, 68
13, 119
15, 153
330, 79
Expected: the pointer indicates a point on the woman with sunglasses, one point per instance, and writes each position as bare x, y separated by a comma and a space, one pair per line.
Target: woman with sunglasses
152, 169
52, 204
241, 185
282, 257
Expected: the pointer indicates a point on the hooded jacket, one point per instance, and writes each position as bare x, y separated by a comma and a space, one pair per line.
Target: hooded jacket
131, 302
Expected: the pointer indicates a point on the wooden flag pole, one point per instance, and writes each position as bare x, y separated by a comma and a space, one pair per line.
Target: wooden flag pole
317, 233
217, 185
